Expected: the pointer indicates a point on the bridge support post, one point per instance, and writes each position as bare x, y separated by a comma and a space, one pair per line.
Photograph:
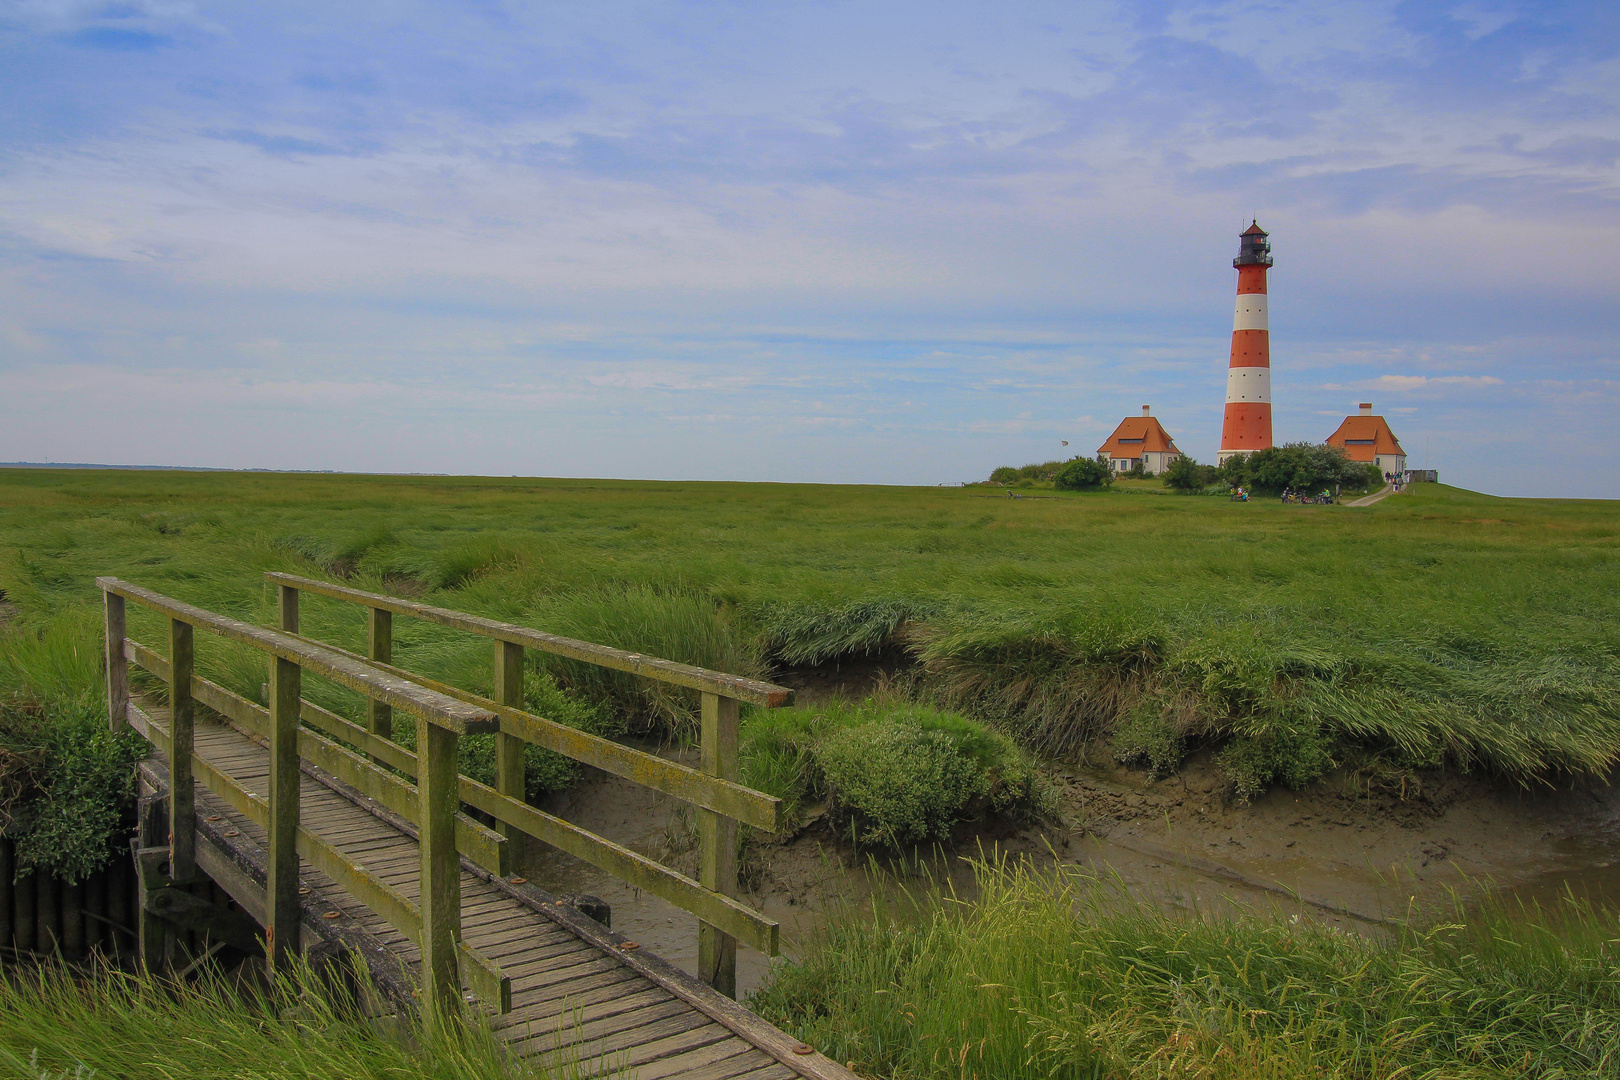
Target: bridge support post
380, 647
439, 796
509, 765
182, 789
717, 843
117, 663
281, 890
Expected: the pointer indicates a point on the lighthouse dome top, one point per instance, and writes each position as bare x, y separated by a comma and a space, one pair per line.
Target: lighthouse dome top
1255, 249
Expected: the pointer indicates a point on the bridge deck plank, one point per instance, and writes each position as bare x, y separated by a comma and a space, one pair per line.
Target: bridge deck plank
573, 999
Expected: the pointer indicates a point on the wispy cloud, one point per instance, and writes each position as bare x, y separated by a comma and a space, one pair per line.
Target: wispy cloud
914, 240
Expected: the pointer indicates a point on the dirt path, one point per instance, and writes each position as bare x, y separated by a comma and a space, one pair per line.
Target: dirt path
1375, 497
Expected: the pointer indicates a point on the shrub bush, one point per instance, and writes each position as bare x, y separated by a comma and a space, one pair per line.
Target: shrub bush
1252, 762
1083, 474
65, 783
1185, 474
895, 774
1154, 730
1301, 466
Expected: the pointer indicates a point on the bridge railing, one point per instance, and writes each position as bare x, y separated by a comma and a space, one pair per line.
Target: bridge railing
433, 803
720, 803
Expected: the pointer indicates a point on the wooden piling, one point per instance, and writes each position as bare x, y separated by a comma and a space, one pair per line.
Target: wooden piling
95, 913
73, 919
509, 758
8, 868
717, 843
23, 897
182, 789
380, 647
117, 664
48, 911
281, 891
438, 796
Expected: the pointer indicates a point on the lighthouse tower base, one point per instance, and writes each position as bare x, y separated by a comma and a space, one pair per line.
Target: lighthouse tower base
1220, 458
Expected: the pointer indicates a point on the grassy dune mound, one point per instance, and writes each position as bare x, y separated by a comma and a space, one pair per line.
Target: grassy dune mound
1438, 626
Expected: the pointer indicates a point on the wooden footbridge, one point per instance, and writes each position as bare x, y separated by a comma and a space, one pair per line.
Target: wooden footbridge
331, 839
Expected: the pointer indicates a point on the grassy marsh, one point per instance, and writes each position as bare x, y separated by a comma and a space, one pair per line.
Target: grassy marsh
1439, 625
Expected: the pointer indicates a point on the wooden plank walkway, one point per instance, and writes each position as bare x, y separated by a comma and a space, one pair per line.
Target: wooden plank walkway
578, 993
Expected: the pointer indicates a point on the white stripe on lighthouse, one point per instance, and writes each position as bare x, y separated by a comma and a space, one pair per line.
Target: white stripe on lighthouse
1250, 313
1248, 384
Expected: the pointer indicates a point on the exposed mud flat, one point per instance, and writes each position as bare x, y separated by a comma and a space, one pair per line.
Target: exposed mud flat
1341, 852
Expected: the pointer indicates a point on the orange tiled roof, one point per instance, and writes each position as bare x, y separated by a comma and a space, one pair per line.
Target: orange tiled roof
1149, 436
1365, 437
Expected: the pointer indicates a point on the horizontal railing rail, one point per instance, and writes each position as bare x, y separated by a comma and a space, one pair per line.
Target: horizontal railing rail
435, 923
752, 691
721, 803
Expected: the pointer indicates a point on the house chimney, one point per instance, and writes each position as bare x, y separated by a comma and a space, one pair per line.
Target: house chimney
1366, 408
1144, 410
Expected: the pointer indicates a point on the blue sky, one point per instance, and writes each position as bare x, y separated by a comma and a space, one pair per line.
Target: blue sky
893, 243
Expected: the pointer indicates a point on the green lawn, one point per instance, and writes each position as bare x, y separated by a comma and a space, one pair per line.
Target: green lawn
1440, 622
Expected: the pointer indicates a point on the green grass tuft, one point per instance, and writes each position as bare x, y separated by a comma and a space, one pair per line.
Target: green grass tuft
1059, 974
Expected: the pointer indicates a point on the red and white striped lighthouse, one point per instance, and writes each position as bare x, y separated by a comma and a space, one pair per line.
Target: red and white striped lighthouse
1248, 376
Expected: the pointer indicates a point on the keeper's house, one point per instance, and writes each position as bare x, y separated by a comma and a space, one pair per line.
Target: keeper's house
1368, 438
1140, 440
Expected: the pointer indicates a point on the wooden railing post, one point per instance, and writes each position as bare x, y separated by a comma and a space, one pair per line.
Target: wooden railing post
717, 843
380, 647
286, 687
509, 764
438, 789
182, 788
287, 607
117, 663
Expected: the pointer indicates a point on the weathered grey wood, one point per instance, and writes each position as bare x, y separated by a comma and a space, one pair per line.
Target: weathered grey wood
287, 608
509, 765
359, 676
380, 648
441, 871
717, 844
182, 715
716, 1061
48, 906
748, 806
738, 920
23, 900
8, 872
285, 911
482, 843
117, 666
73, 919
753, 691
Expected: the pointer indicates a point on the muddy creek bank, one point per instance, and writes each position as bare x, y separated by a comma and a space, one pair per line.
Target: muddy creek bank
1341, 852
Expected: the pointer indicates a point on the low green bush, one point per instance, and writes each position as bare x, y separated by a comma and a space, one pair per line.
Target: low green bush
1300, 466
1251, 763
1154, 729
894, 775
1083, 474
1185, 474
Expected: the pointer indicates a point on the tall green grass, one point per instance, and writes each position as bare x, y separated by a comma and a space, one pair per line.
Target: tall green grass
1059, 974
61, 1023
